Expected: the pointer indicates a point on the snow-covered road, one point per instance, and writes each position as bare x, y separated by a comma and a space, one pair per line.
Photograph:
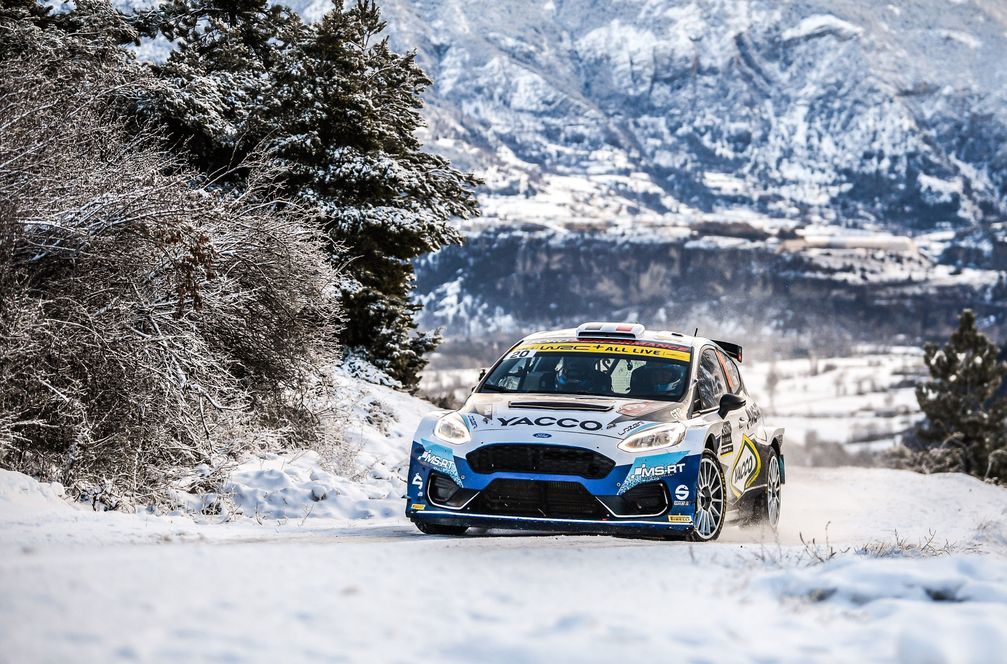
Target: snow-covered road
110, 587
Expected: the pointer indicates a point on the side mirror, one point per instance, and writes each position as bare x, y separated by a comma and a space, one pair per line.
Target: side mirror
482, 372
730, 402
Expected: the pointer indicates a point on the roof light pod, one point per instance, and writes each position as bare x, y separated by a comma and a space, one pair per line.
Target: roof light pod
610, 331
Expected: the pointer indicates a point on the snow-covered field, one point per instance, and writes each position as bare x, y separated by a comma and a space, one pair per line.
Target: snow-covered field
864, 400
893, 567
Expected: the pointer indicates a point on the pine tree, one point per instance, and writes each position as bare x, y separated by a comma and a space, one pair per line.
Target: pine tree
964, 412
339, 110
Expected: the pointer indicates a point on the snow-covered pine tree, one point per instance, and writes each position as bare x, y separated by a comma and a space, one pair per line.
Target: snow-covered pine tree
965, 416
339, 109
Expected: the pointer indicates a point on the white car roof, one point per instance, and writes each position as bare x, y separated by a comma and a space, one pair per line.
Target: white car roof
643, 334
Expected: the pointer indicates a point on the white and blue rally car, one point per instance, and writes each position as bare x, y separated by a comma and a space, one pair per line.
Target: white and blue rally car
606, 428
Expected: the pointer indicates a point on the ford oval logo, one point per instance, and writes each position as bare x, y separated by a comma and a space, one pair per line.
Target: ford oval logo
543, 435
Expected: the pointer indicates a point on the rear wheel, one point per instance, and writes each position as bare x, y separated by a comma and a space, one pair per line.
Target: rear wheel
766, 510
439, 529
711, 504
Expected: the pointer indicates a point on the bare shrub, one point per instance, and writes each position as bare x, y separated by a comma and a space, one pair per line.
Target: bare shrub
149, 322
925, 547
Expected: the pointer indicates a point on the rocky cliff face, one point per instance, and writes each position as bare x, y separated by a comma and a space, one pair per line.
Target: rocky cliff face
504, 282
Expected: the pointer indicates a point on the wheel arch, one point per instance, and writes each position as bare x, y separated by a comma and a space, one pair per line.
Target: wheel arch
777, 445
711, 442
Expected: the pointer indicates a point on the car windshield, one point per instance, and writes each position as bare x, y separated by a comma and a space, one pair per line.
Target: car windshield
636, 371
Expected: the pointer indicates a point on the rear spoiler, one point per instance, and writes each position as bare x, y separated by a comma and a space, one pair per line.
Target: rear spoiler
734, 350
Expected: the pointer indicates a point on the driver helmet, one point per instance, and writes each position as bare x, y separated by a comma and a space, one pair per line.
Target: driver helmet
665, 379
575, 369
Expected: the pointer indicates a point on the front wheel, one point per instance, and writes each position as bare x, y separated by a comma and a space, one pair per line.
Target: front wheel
711, 501
438, 529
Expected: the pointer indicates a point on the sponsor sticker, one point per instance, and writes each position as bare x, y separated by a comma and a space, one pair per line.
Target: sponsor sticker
747, 466
636, 350
418, 506
726, 440
654, 467
549, 421
681, 492
440, 458
632, 427
679, 518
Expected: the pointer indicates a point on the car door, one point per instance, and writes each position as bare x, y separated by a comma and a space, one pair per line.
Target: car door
750, 417
712, 384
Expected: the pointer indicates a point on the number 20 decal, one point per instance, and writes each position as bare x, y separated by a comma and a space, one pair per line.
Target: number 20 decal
521, 354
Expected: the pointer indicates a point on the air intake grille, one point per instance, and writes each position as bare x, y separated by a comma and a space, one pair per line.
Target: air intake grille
542, 459
555, 500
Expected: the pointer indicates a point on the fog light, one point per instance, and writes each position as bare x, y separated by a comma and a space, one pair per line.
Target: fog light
442, 488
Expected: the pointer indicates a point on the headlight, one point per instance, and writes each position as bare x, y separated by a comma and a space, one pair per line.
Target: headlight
450, 428
665, 436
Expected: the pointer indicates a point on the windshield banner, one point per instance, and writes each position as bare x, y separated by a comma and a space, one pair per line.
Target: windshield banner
603, 348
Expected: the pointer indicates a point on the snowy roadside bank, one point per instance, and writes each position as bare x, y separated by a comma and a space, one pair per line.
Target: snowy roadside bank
311, 565
121, 587
112, 587
292, 492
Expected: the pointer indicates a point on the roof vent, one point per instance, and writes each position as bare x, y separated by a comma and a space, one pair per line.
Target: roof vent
610, 331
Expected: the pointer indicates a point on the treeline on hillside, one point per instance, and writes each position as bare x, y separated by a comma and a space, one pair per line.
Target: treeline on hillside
186, 248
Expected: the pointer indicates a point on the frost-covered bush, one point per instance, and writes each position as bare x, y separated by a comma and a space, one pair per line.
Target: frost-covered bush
149, 321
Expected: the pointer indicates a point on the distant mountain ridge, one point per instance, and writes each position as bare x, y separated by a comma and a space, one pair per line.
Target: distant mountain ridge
839, 112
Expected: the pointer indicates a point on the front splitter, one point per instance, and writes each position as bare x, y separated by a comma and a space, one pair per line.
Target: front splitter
576, 526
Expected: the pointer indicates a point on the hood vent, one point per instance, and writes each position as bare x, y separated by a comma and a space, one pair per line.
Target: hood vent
560, 405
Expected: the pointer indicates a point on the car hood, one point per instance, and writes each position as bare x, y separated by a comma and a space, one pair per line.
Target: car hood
543, 416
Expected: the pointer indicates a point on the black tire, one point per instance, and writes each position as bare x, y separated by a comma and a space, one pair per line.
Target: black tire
438, 529
711, 500
766, 509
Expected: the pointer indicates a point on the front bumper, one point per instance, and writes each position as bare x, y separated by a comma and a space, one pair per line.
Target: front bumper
621, 502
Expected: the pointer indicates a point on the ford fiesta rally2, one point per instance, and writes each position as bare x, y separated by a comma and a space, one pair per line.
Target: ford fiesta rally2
606, 428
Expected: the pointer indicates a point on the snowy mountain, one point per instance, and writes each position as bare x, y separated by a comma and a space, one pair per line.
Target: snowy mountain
850, 112
833, 168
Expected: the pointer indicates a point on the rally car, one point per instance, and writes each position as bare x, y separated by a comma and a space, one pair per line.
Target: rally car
606, 428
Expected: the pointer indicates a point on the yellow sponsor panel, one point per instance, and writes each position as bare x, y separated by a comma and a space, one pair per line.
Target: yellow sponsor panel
606, 348
418, 506
679, 518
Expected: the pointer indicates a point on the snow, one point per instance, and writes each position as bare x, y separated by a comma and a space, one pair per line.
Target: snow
251, 592
865, 400
962, 38
819, 25
116, 587
300, 485
943, 191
